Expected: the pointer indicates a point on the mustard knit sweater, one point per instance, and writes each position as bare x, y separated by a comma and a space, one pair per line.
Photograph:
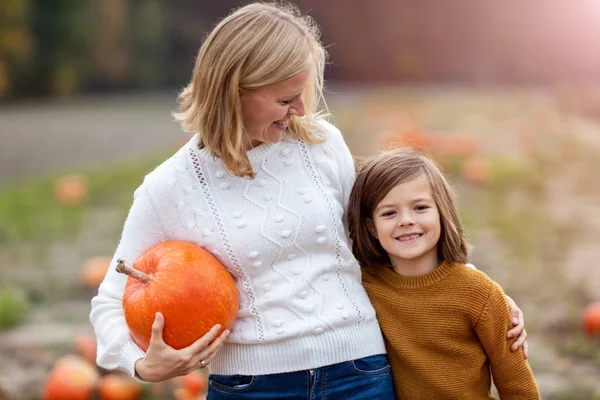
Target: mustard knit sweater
444, 332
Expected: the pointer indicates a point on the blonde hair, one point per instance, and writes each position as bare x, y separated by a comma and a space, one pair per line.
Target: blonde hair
256, 45
381, 173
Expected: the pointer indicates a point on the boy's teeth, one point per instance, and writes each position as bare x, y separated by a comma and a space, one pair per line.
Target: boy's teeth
408, 237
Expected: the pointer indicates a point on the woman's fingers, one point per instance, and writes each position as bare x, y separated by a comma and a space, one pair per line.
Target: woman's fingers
518, 328
166, 362
520, 341
207, 353
157, 330
517, 319
200, 344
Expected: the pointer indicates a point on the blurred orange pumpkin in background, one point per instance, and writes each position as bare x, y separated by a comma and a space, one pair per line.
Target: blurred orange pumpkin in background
194, 383
71, 189
415, 138
71, 378
183, 394
93, 271
85, 346
185, 283
117, 386
477, 170
461, 145
591, 319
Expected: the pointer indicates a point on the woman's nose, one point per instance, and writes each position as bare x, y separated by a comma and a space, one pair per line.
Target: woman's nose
297, 108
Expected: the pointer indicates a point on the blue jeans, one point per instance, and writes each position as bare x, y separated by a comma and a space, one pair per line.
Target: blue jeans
368, 378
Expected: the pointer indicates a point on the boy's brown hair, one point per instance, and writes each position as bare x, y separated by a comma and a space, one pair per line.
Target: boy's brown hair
379, 174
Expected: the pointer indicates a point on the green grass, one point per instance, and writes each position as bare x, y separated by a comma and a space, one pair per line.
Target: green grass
29, 212
13, 307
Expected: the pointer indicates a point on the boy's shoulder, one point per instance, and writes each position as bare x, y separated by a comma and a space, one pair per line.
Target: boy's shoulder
472, 274
473, 282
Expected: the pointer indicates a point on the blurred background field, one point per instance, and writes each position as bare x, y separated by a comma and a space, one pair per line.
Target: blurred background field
503, 95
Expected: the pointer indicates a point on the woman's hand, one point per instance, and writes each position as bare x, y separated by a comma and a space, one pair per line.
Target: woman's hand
519, 330
163, 362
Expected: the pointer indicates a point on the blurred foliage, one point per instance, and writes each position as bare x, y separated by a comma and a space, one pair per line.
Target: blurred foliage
64, 47
13, 307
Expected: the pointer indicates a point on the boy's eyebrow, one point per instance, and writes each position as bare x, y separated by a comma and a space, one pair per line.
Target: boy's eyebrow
419, 200
382, 206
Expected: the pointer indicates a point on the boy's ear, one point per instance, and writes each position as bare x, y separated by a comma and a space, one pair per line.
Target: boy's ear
371, 227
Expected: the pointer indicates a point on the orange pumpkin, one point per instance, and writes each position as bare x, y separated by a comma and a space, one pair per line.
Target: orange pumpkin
194, 383
461, 145
591, 319
71, 189
117, 386
93, 271
415, 138
185, 283
71, 378
184, 394
477, 170
85, 345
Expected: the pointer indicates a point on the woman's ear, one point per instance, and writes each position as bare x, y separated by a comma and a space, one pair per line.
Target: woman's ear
371, 227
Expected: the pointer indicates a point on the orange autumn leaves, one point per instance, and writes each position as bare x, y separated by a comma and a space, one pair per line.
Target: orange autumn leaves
475, 168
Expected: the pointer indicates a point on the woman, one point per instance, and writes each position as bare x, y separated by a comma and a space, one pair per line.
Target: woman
263, 185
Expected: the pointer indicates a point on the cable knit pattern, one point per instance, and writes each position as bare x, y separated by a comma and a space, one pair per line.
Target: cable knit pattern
444, 331
282, 238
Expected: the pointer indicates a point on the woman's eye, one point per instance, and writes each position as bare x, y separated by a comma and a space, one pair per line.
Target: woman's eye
285, 102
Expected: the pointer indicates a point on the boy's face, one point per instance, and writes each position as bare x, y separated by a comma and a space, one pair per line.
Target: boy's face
407, 224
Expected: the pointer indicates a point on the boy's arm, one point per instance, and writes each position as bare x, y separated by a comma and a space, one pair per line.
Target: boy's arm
517, 329
511, 373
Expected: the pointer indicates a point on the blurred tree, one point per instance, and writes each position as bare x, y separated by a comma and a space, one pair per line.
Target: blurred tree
111, 44
150, 20
62, 30
16, 44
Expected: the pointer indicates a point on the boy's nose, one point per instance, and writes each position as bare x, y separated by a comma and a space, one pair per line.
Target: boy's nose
406, 220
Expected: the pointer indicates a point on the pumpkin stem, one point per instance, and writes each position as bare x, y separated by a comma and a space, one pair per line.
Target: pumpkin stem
134, 273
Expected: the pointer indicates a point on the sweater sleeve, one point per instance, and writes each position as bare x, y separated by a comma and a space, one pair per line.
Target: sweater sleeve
116, 348
510, 371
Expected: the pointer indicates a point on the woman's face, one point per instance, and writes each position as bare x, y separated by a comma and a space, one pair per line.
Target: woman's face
266, 110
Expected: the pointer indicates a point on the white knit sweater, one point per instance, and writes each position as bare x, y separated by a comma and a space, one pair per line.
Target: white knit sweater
282, 237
